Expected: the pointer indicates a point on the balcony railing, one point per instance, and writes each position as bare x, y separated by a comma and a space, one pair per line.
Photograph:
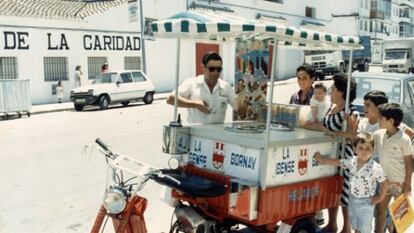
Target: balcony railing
376, 14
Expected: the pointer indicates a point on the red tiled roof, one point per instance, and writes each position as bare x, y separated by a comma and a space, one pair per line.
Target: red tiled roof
56, 9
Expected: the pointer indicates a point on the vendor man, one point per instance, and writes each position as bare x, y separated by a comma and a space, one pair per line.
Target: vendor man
205, 96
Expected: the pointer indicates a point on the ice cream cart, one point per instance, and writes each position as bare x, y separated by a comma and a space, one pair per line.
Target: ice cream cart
272, 181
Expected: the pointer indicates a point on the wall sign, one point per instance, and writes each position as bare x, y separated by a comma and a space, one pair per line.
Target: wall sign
20, 40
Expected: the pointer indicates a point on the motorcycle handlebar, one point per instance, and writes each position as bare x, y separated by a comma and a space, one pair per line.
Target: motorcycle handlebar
102, 144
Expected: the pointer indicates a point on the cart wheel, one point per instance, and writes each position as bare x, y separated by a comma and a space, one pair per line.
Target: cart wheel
304, 225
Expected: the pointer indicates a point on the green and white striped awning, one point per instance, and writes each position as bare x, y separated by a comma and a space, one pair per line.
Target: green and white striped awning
208, 25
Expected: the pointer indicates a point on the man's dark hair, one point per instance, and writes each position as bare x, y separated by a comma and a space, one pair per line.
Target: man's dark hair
308, 69
376, 97
211, 56
391, 111
319, 85
341, 83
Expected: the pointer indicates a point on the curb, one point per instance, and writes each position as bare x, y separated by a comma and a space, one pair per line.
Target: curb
71, 108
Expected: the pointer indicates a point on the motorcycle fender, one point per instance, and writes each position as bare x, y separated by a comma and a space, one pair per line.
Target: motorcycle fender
136, 221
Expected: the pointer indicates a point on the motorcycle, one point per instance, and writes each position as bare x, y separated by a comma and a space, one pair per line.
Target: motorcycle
204, 201
126, 208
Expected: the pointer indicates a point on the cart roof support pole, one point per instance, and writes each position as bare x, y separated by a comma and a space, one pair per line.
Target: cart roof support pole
177, 75
263, 159
348, 91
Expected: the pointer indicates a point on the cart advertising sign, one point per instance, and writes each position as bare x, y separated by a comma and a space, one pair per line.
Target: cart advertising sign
227, 158
289, 164
296, 163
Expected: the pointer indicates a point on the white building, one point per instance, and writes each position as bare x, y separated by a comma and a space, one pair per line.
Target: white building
48, 50
297, 13
378, 19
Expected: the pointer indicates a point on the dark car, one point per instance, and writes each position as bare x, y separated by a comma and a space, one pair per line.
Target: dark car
398, 87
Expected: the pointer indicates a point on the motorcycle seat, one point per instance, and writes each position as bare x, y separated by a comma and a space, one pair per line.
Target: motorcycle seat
190, 184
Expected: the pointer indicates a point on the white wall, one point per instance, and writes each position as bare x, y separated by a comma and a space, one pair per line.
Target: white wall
30, 61
160, 54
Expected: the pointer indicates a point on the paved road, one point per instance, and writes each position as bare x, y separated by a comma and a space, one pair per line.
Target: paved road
48, 185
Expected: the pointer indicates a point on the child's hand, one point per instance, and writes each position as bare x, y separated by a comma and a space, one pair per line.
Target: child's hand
376, 199
318, 157
406, 188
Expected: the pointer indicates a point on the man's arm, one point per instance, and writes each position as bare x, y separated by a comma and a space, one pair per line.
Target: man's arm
408, 159
186, 103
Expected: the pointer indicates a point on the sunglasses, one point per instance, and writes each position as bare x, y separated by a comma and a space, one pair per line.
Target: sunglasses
213, 68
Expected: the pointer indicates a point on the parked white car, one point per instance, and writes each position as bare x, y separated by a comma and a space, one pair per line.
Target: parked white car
114, 87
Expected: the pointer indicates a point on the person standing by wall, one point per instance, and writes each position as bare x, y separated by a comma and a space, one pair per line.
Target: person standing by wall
59, 91
104, 68
78, 77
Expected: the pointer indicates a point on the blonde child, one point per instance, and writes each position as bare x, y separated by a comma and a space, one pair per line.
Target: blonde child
364, 176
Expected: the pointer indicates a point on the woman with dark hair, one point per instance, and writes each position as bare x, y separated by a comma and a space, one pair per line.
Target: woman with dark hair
333, 122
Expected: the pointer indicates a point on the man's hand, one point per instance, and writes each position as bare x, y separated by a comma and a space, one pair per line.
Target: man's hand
202, 106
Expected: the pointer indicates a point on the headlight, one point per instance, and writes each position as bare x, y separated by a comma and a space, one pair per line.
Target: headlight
114, 201
90, 91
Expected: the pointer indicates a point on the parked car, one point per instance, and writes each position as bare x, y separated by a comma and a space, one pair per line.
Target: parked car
398, 87
114, 87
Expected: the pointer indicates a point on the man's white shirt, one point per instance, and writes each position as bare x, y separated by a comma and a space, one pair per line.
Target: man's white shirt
197, 89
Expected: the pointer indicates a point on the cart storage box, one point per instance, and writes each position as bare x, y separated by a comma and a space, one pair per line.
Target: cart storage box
239, 155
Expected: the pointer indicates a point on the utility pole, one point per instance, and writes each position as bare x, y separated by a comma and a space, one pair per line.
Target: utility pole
141, 13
